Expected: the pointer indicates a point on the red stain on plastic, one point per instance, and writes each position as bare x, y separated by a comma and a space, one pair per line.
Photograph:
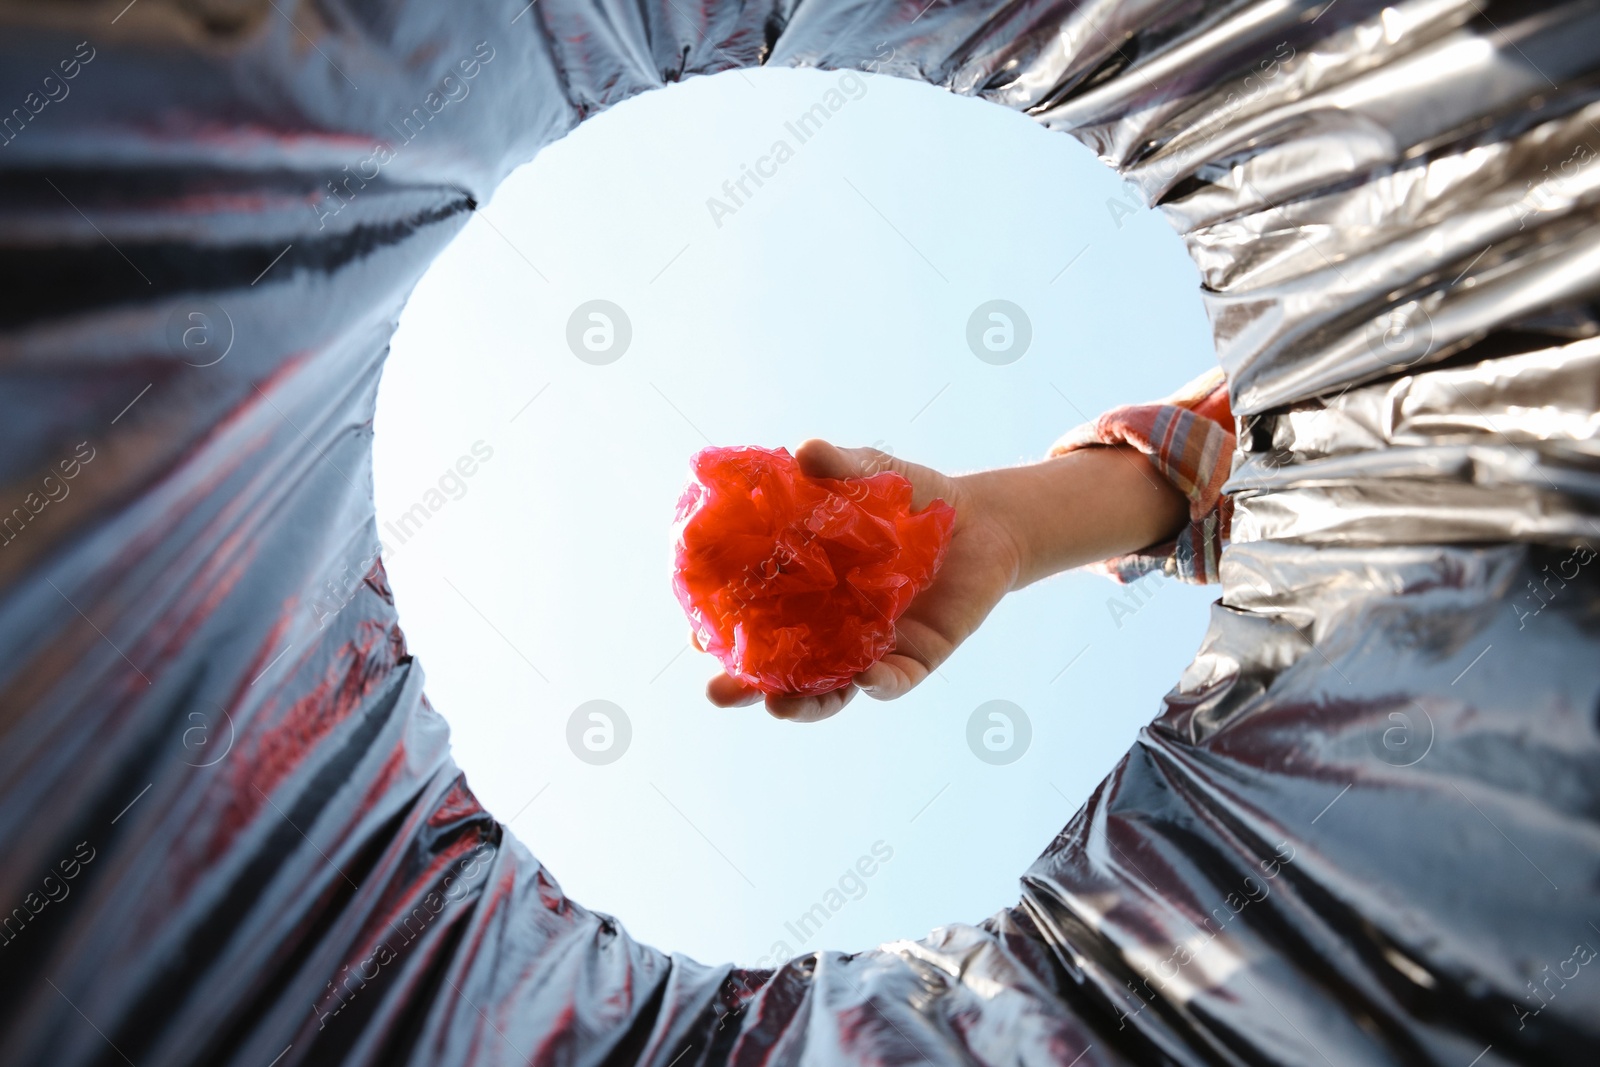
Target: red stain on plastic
269, 755
795, 583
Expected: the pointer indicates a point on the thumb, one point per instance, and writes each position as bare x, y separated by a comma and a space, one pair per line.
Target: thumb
821, 459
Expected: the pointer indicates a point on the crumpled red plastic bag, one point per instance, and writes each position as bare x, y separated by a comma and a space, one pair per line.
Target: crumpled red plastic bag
793, 582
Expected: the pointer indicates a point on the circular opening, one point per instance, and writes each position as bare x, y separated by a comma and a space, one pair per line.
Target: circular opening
755, 258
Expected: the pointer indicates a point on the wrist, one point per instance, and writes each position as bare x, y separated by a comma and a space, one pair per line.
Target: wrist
1006, 500
1082, 507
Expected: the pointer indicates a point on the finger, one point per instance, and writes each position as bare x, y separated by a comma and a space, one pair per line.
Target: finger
891, 677
728, 692
918, 651
810, 708
694, 639
821, 459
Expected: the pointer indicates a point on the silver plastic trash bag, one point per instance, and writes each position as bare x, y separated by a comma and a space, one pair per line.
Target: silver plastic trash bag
1365, 828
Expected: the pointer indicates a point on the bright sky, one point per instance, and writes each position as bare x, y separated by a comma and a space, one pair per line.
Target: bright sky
832, 300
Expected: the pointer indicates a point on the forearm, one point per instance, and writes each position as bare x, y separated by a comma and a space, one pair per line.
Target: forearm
1088, 505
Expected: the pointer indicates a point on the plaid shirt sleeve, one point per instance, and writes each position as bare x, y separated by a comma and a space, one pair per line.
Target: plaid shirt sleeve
1189, 438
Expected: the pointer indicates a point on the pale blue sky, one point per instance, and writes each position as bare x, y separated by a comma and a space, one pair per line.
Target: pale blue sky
833, 301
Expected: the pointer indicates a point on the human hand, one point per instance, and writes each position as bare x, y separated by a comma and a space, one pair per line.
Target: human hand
981, 566
1013, 526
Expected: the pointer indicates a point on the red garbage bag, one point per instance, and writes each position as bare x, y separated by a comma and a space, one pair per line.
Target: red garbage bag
794, 582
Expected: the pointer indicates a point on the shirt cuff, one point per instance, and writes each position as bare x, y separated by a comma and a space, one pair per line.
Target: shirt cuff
1190, 440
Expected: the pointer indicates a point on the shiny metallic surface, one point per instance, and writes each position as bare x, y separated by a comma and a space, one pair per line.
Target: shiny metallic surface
1363, 830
